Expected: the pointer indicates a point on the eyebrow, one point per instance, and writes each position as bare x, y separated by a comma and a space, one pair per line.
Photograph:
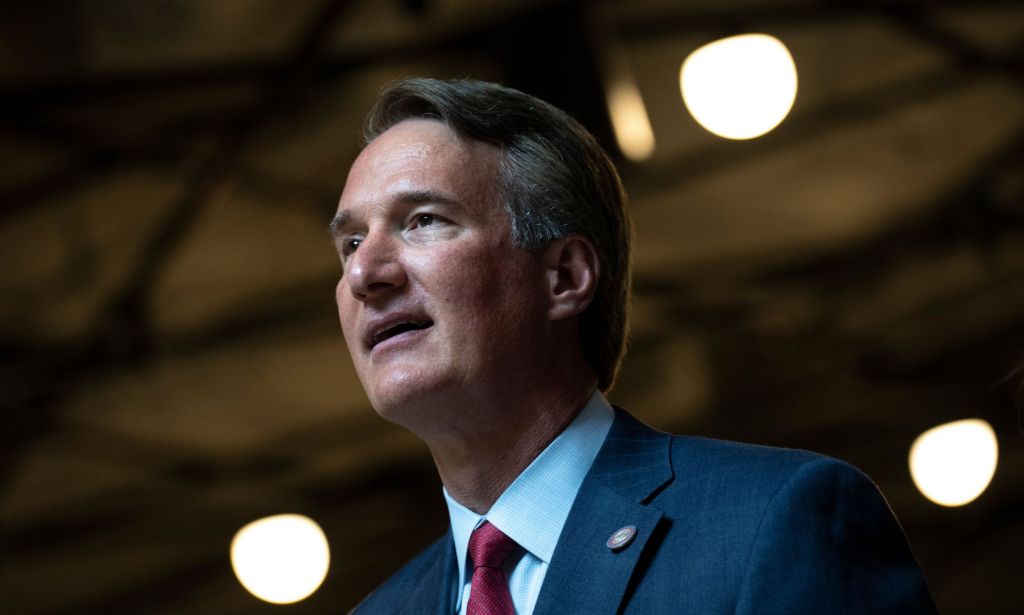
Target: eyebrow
338, 222
411, 197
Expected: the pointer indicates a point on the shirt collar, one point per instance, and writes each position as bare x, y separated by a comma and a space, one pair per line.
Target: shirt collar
533, 509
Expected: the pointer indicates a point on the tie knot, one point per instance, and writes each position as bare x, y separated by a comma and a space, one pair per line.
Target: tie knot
489, 546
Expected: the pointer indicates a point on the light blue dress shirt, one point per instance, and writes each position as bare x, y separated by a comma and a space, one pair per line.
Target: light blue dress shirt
533, 509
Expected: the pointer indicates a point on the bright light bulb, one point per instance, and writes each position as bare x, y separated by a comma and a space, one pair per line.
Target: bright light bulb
953, 464
281, 559
632, 127
739, 87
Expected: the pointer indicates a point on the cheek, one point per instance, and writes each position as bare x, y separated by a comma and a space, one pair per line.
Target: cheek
501, 294
473, 280
477, 285
346, 310
449, 276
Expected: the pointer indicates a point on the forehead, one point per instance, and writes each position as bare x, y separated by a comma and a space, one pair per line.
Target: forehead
418, 155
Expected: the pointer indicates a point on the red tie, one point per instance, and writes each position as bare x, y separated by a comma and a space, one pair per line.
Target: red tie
488, 594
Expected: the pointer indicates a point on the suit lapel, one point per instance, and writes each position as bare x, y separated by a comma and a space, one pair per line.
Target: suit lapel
585, 575
432, 592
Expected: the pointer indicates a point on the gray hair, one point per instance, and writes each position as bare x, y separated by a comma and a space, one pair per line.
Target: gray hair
554, 180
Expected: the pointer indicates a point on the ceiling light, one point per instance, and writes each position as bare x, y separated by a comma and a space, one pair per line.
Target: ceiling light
280, 559
632, 127
953, 464
739, 87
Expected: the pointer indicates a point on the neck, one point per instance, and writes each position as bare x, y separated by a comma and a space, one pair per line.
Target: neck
479, 462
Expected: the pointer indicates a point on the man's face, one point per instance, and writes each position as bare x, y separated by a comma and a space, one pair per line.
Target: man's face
437, 306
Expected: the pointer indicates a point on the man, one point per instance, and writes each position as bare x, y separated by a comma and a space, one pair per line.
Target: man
485, 248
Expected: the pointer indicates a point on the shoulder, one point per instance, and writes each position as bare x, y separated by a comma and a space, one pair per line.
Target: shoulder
823, 517
736, 480
754, 463
710, 473
402, 586
734, 511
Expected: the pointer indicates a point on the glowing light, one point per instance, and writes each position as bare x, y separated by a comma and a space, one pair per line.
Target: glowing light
739, 87
630, 122
281, 559
953, 464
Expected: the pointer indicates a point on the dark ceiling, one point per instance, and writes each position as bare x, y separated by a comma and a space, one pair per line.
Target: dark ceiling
170, 362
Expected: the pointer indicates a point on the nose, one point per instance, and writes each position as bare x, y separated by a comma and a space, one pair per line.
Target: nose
375, 268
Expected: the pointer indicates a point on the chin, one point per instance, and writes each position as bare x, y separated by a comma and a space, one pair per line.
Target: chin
405, 398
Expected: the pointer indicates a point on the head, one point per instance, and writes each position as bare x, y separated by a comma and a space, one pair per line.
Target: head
485, 251
553, 180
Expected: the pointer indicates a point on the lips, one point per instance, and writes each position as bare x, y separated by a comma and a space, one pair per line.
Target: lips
386, 328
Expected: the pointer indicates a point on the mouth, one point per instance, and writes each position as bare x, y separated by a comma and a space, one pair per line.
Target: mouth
398, 328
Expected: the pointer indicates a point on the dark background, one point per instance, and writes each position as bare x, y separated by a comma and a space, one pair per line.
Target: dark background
170, 361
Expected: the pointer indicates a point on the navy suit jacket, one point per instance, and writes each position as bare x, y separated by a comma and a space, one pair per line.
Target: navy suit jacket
722, 527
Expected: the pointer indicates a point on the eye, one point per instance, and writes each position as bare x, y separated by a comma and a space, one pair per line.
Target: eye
427, 226
422, 220
349, 245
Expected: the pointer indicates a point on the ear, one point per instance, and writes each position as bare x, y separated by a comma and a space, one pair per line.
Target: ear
572, 271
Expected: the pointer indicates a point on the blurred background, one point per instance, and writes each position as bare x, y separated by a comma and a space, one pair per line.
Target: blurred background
171, 367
